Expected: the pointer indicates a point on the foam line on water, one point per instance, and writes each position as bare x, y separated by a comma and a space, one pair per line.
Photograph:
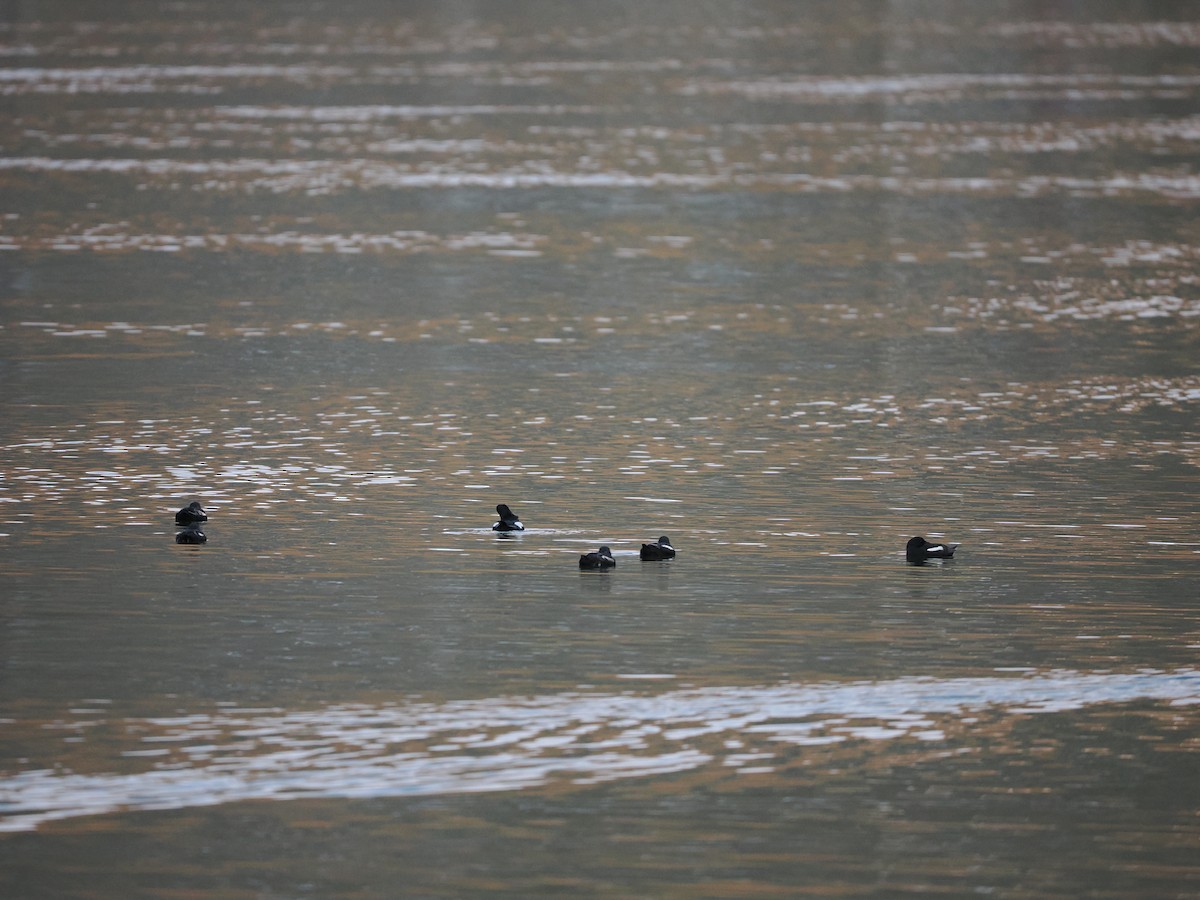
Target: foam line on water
514, 743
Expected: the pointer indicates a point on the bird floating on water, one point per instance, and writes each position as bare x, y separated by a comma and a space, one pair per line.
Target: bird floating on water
191, 535
509, 521
660, 549
919, 550
597, 559
191, 514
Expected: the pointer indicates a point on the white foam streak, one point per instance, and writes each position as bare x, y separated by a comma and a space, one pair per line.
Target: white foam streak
513, 743
931, 86
382, 112
322, 177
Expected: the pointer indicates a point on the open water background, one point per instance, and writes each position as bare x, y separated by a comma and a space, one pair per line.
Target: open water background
788, 282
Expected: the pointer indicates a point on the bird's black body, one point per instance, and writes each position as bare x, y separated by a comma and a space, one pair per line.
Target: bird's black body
919, 550
508, 519
597, 559
660, 549
191, 514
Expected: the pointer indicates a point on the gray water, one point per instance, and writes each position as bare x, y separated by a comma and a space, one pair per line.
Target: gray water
788, 282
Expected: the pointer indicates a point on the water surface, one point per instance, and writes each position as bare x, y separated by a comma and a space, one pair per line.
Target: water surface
789, 283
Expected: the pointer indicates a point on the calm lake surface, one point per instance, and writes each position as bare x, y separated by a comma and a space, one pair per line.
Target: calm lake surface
787, 282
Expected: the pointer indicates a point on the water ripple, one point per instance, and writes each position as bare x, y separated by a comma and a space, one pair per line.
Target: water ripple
325, 177
514, 743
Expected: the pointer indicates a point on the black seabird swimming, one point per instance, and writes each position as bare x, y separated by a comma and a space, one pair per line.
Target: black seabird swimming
508, 519
919, 550
597, 559
660, 549
191, 514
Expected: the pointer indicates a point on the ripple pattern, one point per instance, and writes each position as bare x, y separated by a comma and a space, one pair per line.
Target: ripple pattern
508, 743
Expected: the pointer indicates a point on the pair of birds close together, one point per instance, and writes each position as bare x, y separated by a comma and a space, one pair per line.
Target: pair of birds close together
190, 517
597, 559
603, 558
